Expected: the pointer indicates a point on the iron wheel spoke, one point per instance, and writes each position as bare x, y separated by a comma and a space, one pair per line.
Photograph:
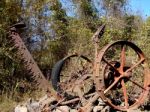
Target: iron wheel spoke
134, 66
137, 84
125, 93
110, 65
122, 57
112, 85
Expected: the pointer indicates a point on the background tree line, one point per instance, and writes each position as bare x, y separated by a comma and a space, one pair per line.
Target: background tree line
56, 28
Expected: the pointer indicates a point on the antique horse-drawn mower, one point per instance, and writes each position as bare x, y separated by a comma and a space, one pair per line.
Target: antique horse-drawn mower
119, 75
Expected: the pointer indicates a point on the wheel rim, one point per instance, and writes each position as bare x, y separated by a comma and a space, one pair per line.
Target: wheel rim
75, 69
121, 76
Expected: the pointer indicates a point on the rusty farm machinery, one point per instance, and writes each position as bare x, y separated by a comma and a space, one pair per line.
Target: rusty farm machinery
118, 75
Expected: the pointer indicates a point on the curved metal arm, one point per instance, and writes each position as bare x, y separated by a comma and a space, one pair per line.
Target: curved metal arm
18, 25
99, 33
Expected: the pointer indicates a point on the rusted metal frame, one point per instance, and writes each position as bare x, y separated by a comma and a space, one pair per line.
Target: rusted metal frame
76, 99
89, 106
146, 83
43, 83
95, 38
93, 99
130, 69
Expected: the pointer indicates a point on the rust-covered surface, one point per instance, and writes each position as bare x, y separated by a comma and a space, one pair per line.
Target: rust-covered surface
121, 74
28, 60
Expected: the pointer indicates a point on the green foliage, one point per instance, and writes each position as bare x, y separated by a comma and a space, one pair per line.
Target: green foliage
144, 38
58, 35
129, 29
87, 13
10, 12
80, 37
59, 19
114, 8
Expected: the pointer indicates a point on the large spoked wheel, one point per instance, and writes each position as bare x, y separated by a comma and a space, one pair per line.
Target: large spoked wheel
71, 76
123, 73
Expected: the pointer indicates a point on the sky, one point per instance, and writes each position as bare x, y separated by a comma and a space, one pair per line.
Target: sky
141, 7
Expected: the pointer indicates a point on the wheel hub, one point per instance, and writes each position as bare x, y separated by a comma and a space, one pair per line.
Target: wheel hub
110, 75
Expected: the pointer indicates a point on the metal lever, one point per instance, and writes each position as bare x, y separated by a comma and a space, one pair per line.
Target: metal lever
98, 33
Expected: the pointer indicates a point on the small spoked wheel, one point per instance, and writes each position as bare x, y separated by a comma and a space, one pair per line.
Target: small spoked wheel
71, 76
123, 73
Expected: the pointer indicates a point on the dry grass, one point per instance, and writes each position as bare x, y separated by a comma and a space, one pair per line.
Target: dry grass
7, 104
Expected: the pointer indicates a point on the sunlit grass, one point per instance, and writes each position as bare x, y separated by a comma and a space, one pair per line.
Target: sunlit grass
9, 102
